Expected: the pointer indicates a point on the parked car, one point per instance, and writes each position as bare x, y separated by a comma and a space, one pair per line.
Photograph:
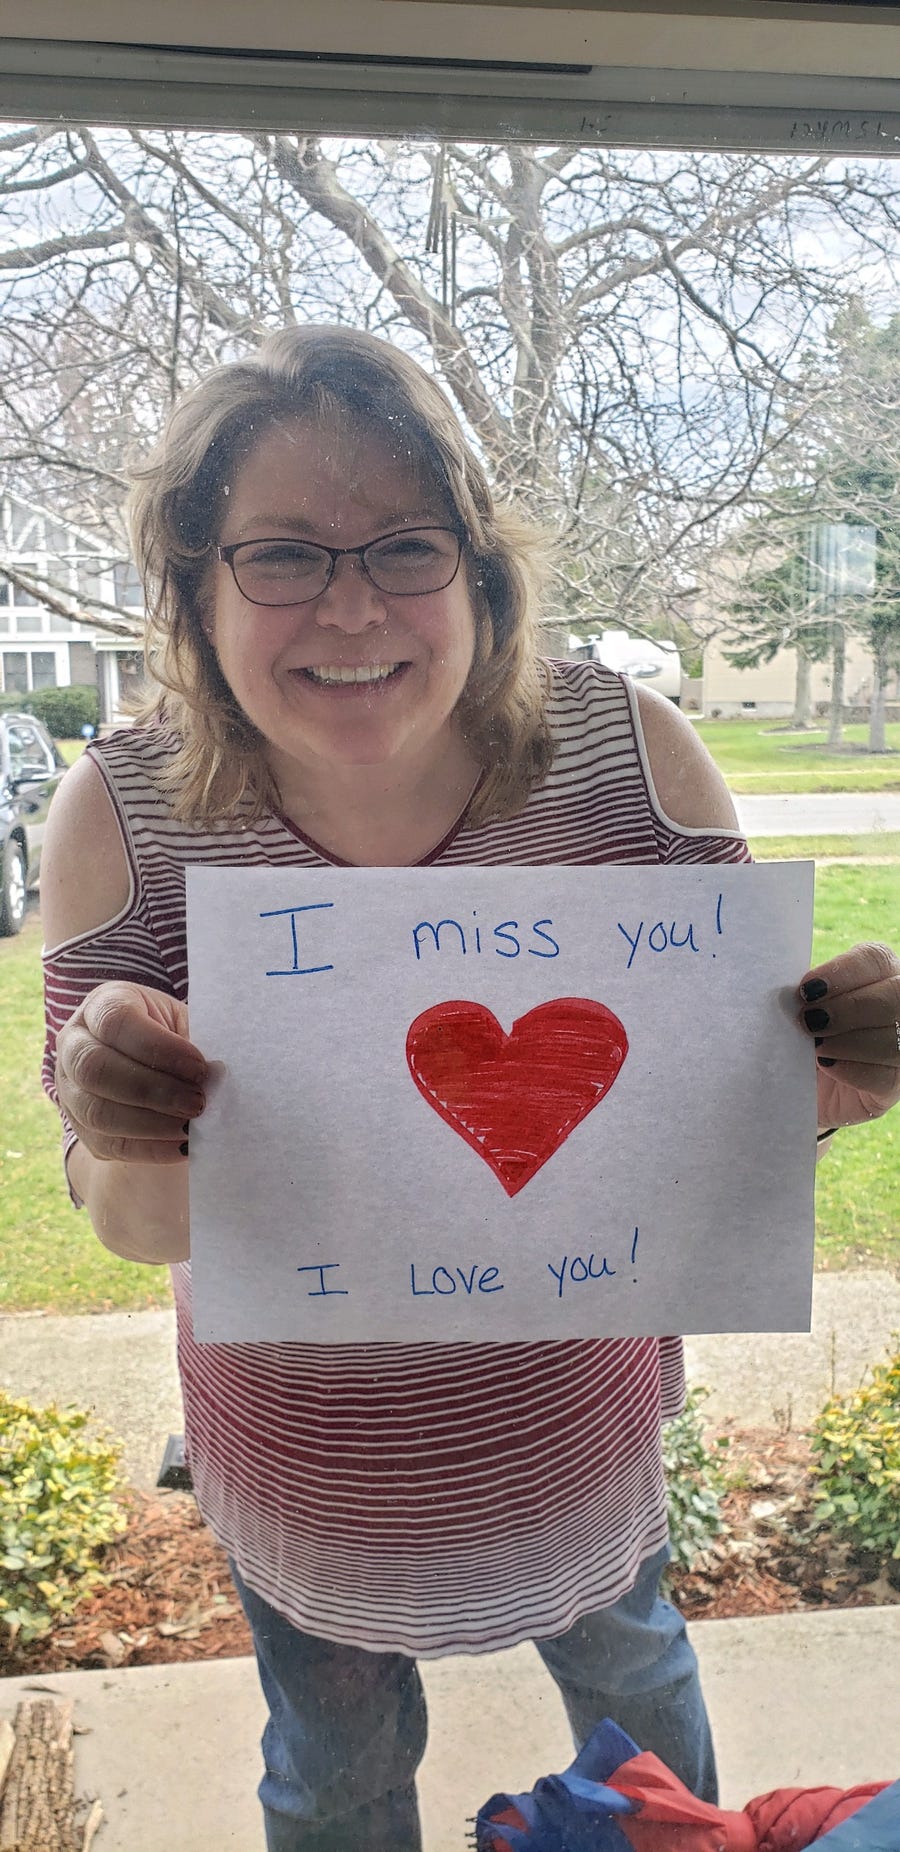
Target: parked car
656, 663
31, 766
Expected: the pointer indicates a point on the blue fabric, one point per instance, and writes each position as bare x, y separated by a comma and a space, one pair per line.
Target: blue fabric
347, 1728
558, 1819
573, 1812
875, 1828
605, 1750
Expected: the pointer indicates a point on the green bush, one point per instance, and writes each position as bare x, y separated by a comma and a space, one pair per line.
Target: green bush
64, 710
696, 1482
856, 1464
60, 1504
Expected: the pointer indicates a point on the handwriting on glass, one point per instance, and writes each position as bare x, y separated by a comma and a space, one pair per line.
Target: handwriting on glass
840, 129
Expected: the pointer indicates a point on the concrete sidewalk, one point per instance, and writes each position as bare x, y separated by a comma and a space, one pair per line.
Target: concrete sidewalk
800, 1700
172, 1750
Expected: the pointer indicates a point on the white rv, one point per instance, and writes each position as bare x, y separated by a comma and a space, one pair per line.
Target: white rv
658, 664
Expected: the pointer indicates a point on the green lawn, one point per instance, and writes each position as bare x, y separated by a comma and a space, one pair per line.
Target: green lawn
51, 1261
854, 904
50, 1258
71, 749
857, 1198
882, 844
756, 759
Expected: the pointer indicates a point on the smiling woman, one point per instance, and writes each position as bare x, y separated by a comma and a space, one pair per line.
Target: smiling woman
367, 669
425, 593
395, 711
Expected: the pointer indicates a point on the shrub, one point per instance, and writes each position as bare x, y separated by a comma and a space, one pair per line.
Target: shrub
60, 1504
696, 1482
64, 710
856, 1464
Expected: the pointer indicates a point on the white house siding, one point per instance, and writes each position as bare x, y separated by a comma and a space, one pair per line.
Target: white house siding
40, 649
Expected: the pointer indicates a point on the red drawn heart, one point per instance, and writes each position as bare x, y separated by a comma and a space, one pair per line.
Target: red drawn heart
515, 1098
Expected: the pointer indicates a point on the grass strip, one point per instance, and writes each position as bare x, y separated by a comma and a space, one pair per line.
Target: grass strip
877, 845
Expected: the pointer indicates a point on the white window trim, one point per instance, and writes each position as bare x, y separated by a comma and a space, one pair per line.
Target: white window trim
41, 646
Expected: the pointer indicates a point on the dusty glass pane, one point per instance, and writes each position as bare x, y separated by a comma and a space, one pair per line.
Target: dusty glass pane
680, 365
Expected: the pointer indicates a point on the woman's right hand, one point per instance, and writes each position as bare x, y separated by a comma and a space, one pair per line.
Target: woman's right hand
128, 1076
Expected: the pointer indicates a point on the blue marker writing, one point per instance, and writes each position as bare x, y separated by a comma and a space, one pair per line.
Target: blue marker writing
586, 1270
325, 1292
296, 969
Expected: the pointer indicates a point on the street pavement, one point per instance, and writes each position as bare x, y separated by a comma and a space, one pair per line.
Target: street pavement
831, 813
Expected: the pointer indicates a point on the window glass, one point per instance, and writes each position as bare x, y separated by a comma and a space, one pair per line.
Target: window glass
24, 524
129, 590
31, 620
15, 672
683, 366
27, 751
43, 669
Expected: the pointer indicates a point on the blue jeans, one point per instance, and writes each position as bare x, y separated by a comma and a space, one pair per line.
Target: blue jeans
347, 1728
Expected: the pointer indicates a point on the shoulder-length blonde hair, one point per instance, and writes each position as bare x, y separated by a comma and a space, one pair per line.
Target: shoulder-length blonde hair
326, 375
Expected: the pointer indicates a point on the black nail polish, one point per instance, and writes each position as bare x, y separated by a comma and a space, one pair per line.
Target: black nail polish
184, 1148
816, 1019
815, 987
826, 1061
186, 1127
819, 1041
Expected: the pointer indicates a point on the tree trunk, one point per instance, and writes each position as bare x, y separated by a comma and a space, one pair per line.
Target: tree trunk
802, 715
838, 669
877, 737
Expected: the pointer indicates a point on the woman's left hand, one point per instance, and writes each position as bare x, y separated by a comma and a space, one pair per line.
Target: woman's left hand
851, 1006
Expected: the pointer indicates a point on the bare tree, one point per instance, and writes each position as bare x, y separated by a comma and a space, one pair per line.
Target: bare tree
623, 334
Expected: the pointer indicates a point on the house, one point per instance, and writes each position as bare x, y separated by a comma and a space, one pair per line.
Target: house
768, 691
39, 646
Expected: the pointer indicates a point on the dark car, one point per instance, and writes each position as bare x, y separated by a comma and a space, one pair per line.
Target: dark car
31, 767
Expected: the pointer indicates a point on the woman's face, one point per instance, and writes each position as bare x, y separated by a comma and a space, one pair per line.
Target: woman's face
284, 664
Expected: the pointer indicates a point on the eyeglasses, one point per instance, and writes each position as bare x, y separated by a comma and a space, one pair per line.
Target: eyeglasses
409, 562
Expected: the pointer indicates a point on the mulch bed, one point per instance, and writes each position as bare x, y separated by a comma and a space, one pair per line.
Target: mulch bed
170, 1598
772, 1557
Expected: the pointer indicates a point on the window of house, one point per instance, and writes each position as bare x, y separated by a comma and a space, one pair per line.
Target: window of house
15, 671
43, 668
29, 615
129, 590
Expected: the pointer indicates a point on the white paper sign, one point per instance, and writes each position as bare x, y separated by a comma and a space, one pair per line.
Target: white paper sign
501, 1103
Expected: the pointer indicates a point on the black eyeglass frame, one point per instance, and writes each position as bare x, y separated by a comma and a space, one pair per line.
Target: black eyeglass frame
227, 554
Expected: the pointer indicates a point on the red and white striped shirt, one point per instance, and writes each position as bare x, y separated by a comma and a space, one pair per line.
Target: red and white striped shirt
418, 1498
